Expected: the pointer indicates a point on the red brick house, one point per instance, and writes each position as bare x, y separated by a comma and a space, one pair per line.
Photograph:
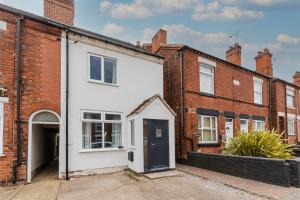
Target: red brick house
213, 98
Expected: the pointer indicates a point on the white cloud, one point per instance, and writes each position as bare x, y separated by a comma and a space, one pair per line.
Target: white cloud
144, 8
215, 12
112, 29
286, 39
105, 5
180, 32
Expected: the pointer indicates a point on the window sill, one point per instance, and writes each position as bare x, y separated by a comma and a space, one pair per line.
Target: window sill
103, 83
258, 104
209, 144
208, 94
291, 108
99, 150
2, 155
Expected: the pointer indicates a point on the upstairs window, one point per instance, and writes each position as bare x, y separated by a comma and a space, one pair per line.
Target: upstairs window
207, 78
290, 98
102, 70
258, 91
101, 130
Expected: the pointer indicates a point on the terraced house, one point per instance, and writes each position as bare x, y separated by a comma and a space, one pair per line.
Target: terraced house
215, 98
77, 99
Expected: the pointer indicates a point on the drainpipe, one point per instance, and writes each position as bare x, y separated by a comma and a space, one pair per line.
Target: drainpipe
181, 105
270, 105
286, 115
67, 105
18, 99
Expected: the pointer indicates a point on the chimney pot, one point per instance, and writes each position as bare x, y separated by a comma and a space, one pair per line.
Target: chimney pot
233, 54
297, 78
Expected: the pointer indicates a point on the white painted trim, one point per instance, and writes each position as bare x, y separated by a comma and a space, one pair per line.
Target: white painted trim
291, 116
258, 79
290, 88
281, 114
298, 117
4, 99
29, 158
100, 150
207, 62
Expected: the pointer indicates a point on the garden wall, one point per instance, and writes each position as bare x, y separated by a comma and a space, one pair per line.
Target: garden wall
274, 171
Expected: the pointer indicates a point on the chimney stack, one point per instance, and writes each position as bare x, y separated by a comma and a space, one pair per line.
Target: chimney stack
297, 78
264, 63
159, 38
60, 10
234, 53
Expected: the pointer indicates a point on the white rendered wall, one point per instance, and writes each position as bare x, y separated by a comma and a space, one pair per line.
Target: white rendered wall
156, 110
138, 79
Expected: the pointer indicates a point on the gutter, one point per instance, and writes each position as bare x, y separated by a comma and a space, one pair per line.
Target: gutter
18, 98
67, 105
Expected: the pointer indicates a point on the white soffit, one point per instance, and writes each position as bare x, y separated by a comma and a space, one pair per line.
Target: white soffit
281, 114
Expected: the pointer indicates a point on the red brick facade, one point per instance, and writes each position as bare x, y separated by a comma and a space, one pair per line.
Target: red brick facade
40, 83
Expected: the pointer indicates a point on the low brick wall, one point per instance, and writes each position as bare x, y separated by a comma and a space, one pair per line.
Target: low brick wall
274, 171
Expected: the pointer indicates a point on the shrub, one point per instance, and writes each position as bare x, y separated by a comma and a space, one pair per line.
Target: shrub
268, 144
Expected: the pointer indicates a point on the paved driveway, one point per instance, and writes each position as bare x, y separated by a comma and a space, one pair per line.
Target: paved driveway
123, 186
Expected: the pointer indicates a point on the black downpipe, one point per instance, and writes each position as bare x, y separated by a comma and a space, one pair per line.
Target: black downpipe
18, 83
67, 105
286, 116
270, 106
181, 106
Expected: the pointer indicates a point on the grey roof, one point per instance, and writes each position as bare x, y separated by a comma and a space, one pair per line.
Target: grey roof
76, 30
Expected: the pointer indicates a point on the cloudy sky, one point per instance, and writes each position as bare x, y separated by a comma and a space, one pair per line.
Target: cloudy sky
210, 26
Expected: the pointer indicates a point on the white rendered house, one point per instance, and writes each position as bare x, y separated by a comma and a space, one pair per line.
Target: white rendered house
107, 128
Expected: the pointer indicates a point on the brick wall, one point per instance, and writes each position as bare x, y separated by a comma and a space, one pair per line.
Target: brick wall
60, 10
228, 97
40, 83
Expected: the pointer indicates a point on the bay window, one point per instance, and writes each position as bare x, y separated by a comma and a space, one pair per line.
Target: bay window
101, 130
207, 127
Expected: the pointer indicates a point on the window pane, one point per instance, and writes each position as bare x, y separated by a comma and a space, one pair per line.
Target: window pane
290, 101
91, 135
199, 122
206, 69
244, 126
214, 136
207, 136
213, 122
112, 135
87, 115
291, 126
112, 117
257, 98
206, 122
206, 83
110, 71
132, 132
200, 135
95, 68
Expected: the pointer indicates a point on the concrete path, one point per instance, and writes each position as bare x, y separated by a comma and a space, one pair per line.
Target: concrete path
44, 187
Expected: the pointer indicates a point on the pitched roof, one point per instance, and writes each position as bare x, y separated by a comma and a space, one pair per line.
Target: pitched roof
147, 102
76, 30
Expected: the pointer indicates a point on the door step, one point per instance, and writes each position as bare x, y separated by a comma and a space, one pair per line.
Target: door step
164, 174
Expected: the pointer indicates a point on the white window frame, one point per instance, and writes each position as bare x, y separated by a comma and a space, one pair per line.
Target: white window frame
260, 82
212, 75
255, 125
200, 117
102, 81
290, 94
102, 121
290, 121
247, 124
